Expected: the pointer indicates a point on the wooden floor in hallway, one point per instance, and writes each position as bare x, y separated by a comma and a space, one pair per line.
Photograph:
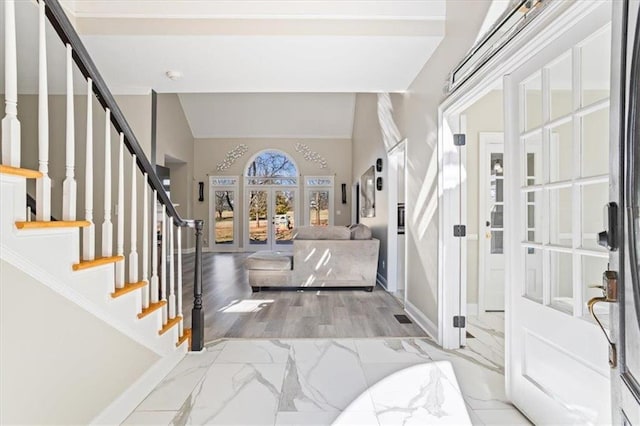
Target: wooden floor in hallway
232, 310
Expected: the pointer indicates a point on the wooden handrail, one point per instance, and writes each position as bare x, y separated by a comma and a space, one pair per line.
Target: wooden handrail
63, 27
67, 33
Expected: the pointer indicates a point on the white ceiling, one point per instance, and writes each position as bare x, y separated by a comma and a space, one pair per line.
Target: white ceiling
260, 46
250, 68
273, 115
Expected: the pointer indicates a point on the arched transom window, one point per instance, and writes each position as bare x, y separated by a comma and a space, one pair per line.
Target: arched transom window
272, 168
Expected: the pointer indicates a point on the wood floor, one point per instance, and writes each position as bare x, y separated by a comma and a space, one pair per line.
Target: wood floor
232, 310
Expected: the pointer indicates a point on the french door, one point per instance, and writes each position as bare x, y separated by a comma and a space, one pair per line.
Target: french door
270, 217
557, 180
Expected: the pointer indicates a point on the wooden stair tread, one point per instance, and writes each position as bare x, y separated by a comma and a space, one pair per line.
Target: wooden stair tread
17, 171
186, 335
128, 288
169, 324
85, 264
53, 224
151, 309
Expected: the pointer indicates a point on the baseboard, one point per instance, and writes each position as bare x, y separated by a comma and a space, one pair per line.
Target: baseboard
421, 319
472, 309
382, 281
127, 401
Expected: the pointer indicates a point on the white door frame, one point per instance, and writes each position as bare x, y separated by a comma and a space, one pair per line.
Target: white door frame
485, 139
306, 188
552, 19
398, 150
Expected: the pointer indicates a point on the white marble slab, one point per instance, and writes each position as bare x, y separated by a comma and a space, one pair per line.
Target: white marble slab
254, 351
174, 389
502, 417
481, 381
237, 394
392, 350
150, 418
305, 418
420, 395
323, 375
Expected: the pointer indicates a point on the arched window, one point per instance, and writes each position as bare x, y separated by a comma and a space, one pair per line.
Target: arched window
272, 168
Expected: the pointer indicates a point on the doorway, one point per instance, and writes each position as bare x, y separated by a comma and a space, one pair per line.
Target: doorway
396, 176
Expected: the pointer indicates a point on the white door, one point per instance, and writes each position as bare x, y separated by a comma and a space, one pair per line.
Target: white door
492, 221
270, 218
558, 118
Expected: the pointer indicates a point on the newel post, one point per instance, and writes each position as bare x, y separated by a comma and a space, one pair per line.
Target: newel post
197, 314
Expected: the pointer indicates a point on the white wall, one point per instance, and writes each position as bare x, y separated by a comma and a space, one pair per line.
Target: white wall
368, 146
337, 152
174, 149
417, 113
60, 364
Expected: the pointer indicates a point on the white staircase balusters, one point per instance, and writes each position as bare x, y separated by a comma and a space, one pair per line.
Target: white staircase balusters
28, 213
133, 254
10, 123
154, 286
89, 233
69, 186
163, 282
145, 244
172, 273
43, 185
120, 214
179, 278
107, 226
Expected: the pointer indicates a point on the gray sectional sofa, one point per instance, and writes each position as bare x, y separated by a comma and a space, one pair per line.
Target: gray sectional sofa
332, 256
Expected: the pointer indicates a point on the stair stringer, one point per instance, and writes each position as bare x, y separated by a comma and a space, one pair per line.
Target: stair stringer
38, 253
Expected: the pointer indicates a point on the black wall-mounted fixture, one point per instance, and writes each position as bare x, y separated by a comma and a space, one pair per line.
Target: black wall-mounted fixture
379, 183
201, 191
379, 165
344, 193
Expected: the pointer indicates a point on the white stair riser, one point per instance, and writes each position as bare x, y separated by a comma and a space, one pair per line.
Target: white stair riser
43, 249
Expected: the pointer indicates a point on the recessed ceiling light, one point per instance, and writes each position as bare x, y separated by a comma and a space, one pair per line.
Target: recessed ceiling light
173, 75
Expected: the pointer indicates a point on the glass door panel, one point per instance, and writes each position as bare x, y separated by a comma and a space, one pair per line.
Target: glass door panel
318, 207
224, 228
259, 223
284, 202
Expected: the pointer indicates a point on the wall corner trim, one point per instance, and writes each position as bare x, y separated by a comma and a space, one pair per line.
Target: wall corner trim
421, 319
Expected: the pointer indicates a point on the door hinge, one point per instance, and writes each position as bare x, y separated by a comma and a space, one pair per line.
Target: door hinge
459, 139
459, 321
459, 230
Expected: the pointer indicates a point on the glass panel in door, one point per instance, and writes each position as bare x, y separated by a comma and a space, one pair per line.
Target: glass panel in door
493, 258
258, 218
224, 231
318, 207
284, 216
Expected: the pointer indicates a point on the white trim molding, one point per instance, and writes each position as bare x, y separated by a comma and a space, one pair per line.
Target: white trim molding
421, 319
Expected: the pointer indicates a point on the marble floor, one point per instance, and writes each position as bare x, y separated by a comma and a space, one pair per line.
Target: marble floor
368, 381
487, 330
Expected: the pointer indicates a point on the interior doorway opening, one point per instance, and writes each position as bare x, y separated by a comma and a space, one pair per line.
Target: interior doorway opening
475, 184
397, 158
